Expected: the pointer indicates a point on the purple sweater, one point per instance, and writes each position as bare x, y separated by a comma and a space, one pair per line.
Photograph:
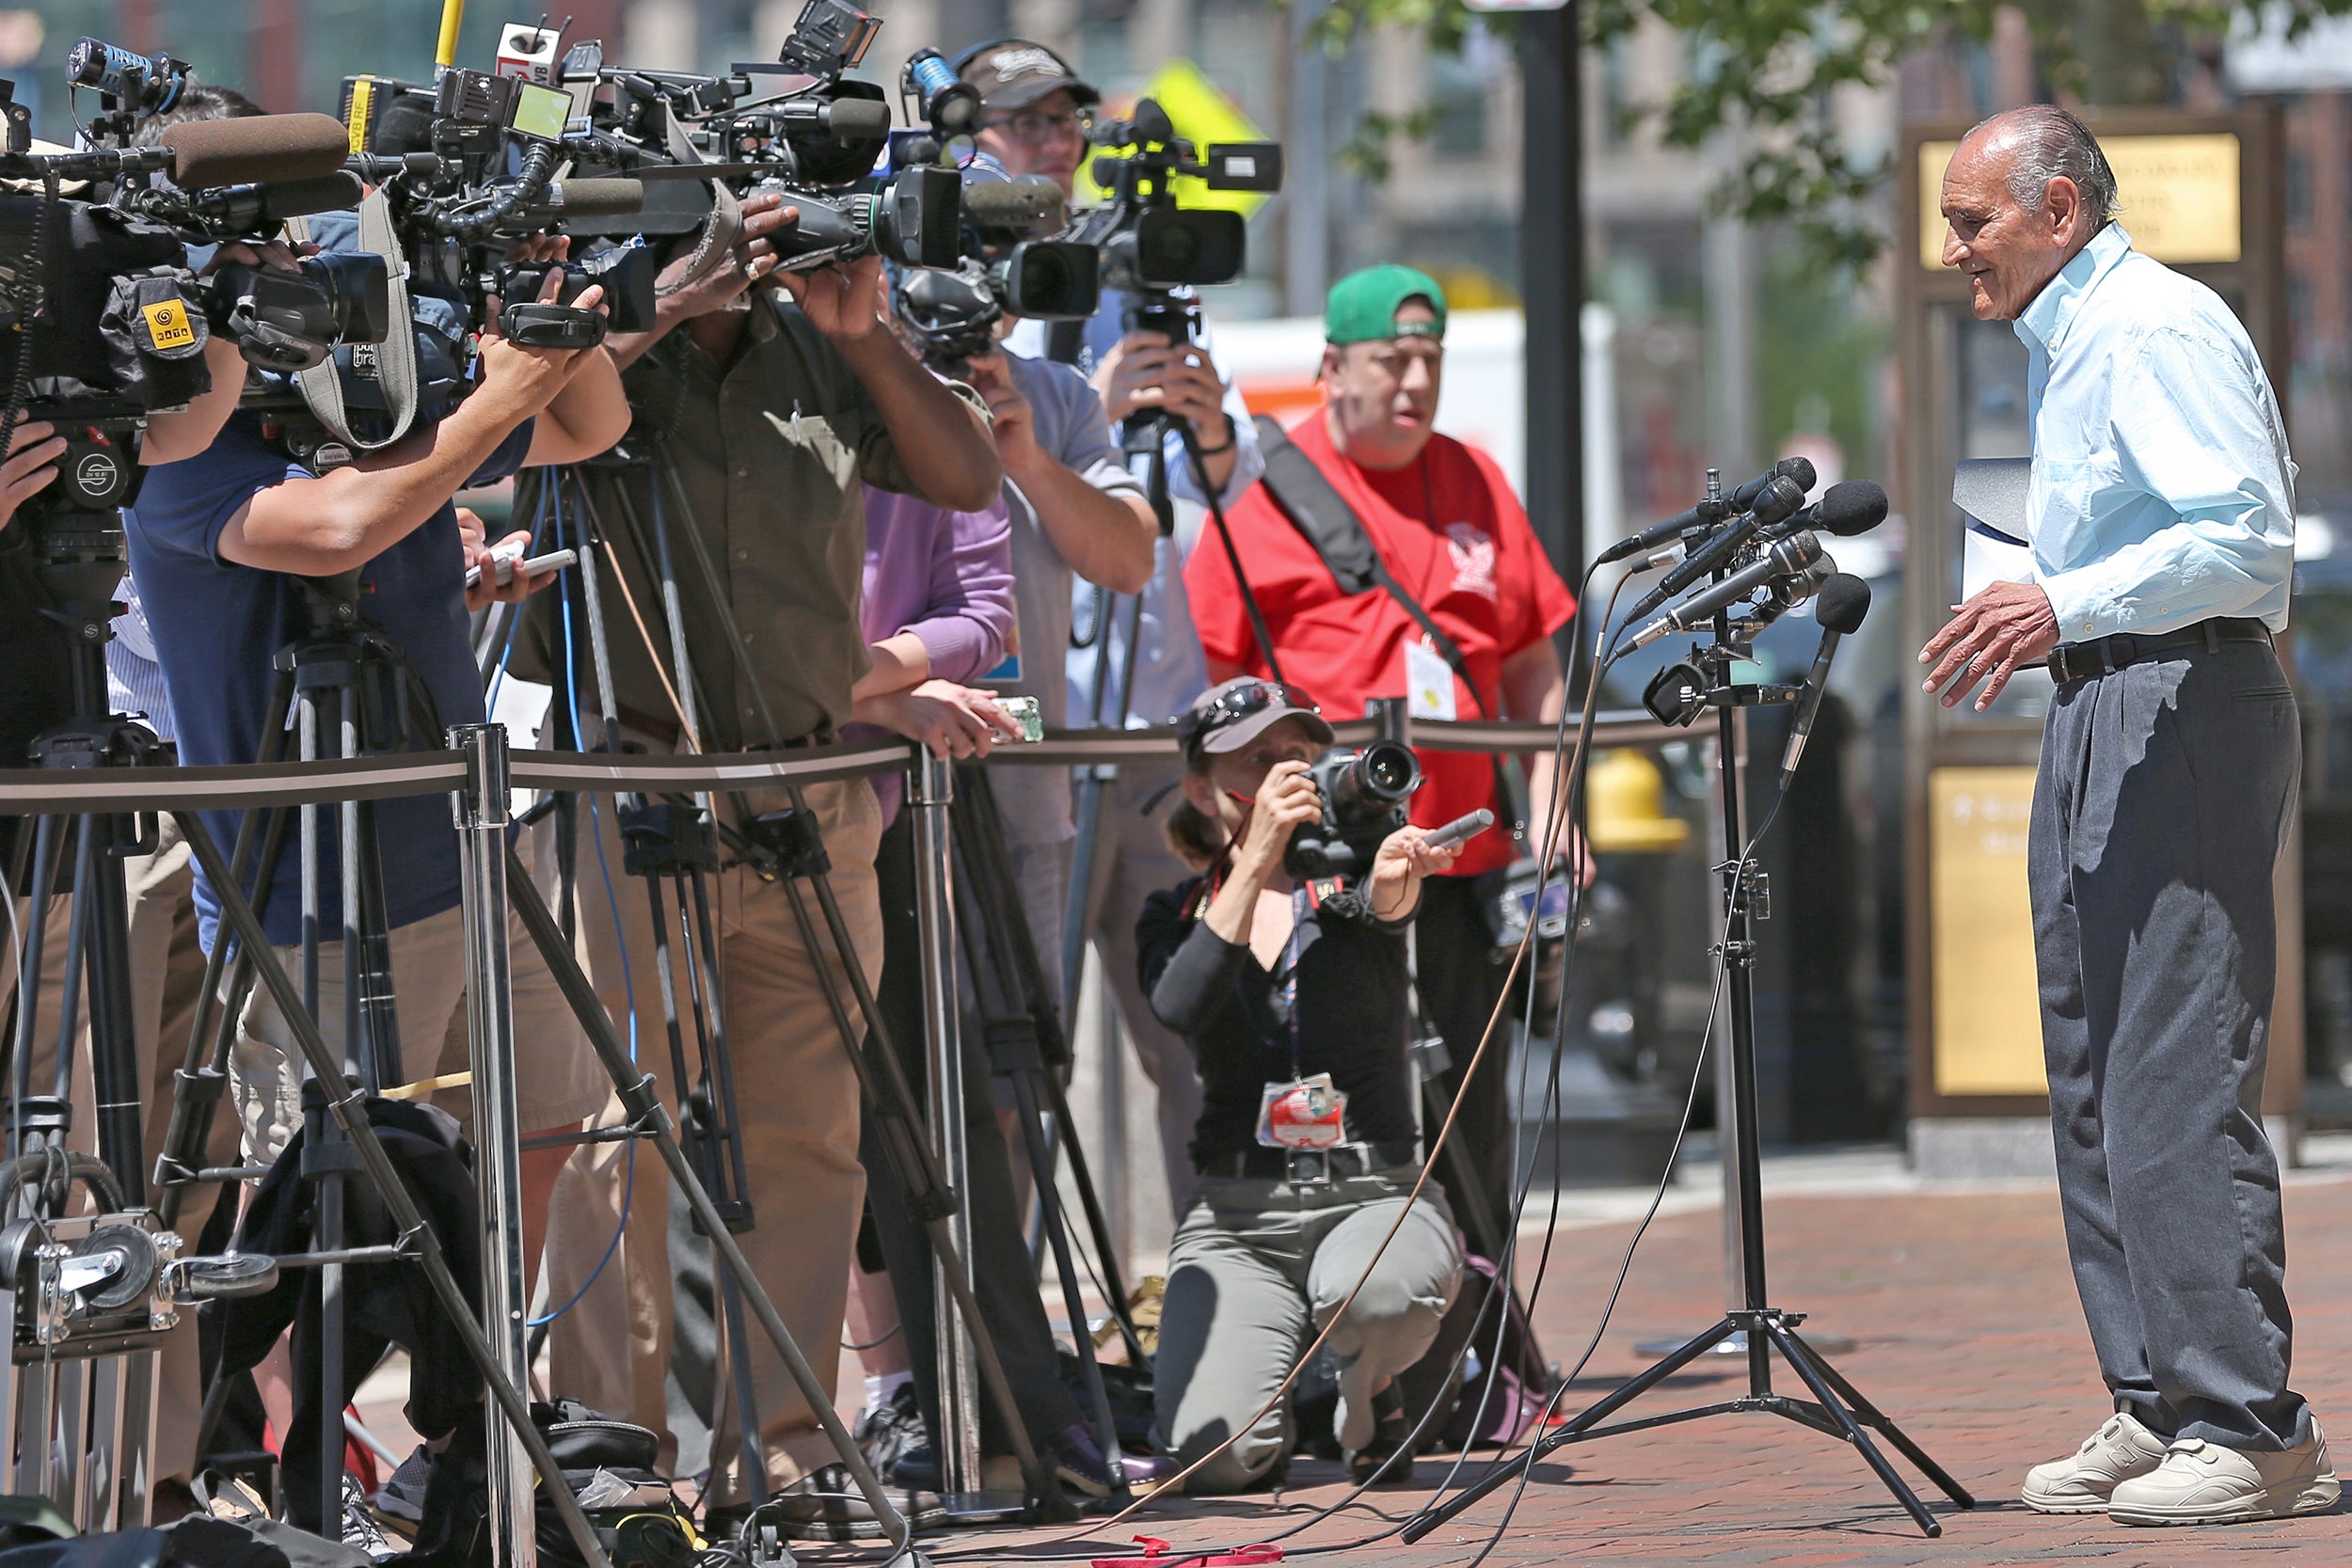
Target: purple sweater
946, 577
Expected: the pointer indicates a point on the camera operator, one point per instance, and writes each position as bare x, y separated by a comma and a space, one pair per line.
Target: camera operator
1076, 513
1035, 114
1451, 534
1292, 997
217, 543
771, 412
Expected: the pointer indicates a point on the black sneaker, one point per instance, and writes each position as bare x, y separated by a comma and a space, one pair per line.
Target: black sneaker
917, 1466
1387, 1460
892, 1430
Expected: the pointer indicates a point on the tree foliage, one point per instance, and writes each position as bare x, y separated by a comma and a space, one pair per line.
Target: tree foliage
1768, 68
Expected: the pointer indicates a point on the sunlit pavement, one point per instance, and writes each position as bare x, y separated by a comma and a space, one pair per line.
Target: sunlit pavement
1966, 1330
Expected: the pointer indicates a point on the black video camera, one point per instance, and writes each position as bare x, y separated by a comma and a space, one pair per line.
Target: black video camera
954, 315
1150, 244
291, 320
1365, 794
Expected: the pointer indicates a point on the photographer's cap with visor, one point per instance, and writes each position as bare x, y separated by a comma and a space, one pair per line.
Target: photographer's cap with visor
1362, 308
1228, 717
1013, 74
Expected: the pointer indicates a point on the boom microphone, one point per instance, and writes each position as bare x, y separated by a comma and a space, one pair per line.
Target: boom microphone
1031, 204
1740, 499
1843, 602
249, 208
1782, 558
856, 118
255, 149
1780, 496
585, 198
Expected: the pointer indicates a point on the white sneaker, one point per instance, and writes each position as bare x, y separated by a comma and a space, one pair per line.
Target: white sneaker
2204, 1483
2080, 1483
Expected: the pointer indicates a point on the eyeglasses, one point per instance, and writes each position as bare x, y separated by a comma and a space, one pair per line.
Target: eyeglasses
1033, 128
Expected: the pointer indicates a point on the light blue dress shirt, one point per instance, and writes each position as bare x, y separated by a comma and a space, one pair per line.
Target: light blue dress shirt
2162, 494
1170, 669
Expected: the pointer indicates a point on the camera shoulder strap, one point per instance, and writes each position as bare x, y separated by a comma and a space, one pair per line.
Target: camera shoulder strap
322, 384
1305, 495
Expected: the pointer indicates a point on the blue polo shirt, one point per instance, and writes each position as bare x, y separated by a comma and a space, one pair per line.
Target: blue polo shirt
217, 627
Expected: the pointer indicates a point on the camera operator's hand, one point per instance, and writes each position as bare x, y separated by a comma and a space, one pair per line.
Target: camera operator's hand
951, 720
30, 468
1146, 373
1285, 802
1404, 856
1012, 422
521, 381
277, 254
840, 301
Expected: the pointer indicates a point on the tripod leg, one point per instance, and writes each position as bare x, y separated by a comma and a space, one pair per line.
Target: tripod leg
645, 1108
350, 1113
48, 845
1073, 1305
714, 1138
1871, 1416
1854, 1435
1500, 1473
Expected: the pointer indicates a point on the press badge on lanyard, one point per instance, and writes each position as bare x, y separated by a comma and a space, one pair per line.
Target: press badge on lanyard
1303, 1113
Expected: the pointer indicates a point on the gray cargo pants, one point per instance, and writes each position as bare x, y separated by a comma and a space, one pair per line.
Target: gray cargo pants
2161, 802
1256, 1270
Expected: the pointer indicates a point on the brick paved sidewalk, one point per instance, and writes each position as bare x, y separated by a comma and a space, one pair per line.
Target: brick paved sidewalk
1967, 1333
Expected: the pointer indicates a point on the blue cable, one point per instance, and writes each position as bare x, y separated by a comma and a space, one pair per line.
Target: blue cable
491, 701
620, 935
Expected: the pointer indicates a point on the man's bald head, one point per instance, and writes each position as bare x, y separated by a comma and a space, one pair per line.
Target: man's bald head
2025, 190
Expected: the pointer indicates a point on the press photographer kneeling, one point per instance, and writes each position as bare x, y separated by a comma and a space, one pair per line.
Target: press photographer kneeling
1290, 985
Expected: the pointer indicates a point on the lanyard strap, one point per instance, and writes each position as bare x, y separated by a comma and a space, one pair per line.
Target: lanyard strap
1290, 977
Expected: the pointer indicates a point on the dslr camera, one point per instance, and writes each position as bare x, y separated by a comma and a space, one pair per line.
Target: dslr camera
1365, 794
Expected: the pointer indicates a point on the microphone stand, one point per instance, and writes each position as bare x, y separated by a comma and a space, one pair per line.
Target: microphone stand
1836, 1408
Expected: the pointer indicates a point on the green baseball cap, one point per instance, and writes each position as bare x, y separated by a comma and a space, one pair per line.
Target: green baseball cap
1363, 306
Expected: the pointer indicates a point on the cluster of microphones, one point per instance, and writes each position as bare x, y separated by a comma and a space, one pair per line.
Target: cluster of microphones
1761, 544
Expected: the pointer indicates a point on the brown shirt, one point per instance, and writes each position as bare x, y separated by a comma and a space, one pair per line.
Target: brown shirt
769, 450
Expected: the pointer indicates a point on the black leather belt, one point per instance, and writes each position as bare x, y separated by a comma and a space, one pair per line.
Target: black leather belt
2104, 655
1311, 1165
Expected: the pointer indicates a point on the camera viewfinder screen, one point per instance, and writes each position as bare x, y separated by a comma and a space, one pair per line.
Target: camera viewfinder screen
541, 112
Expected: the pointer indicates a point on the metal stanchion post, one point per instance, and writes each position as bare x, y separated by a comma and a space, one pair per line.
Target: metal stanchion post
481, 809
930, 791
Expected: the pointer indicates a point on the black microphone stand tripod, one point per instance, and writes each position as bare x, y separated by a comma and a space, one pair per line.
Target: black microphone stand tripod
1836, 1408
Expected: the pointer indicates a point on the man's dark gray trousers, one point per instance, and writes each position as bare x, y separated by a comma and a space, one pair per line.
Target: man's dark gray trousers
2163, 799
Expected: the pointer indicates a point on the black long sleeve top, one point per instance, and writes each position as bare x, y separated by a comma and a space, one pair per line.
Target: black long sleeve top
1236, 1015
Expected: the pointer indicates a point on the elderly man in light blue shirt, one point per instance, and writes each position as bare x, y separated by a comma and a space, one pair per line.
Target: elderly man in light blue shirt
2162, 521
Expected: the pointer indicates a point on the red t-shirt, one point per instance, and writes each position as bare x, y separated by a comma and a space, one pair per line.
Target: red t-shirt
1455, 537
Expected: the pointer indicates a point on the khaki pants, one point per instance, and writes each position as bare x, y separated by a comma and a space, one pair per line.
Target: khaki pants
167, 977
1256, 1270
798, 1102
558, 1079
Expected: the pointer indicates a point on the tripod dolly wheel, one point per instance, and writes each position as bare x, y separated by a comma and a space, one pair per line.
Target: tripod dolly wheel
122, 1264
227, 1276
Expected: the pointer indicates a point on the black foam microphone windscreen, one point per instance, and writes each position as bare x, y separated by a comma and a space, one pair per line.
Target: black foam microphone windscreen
1842, 603
851, 119
210, 152
594, 199
1854, 506
1031, 204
